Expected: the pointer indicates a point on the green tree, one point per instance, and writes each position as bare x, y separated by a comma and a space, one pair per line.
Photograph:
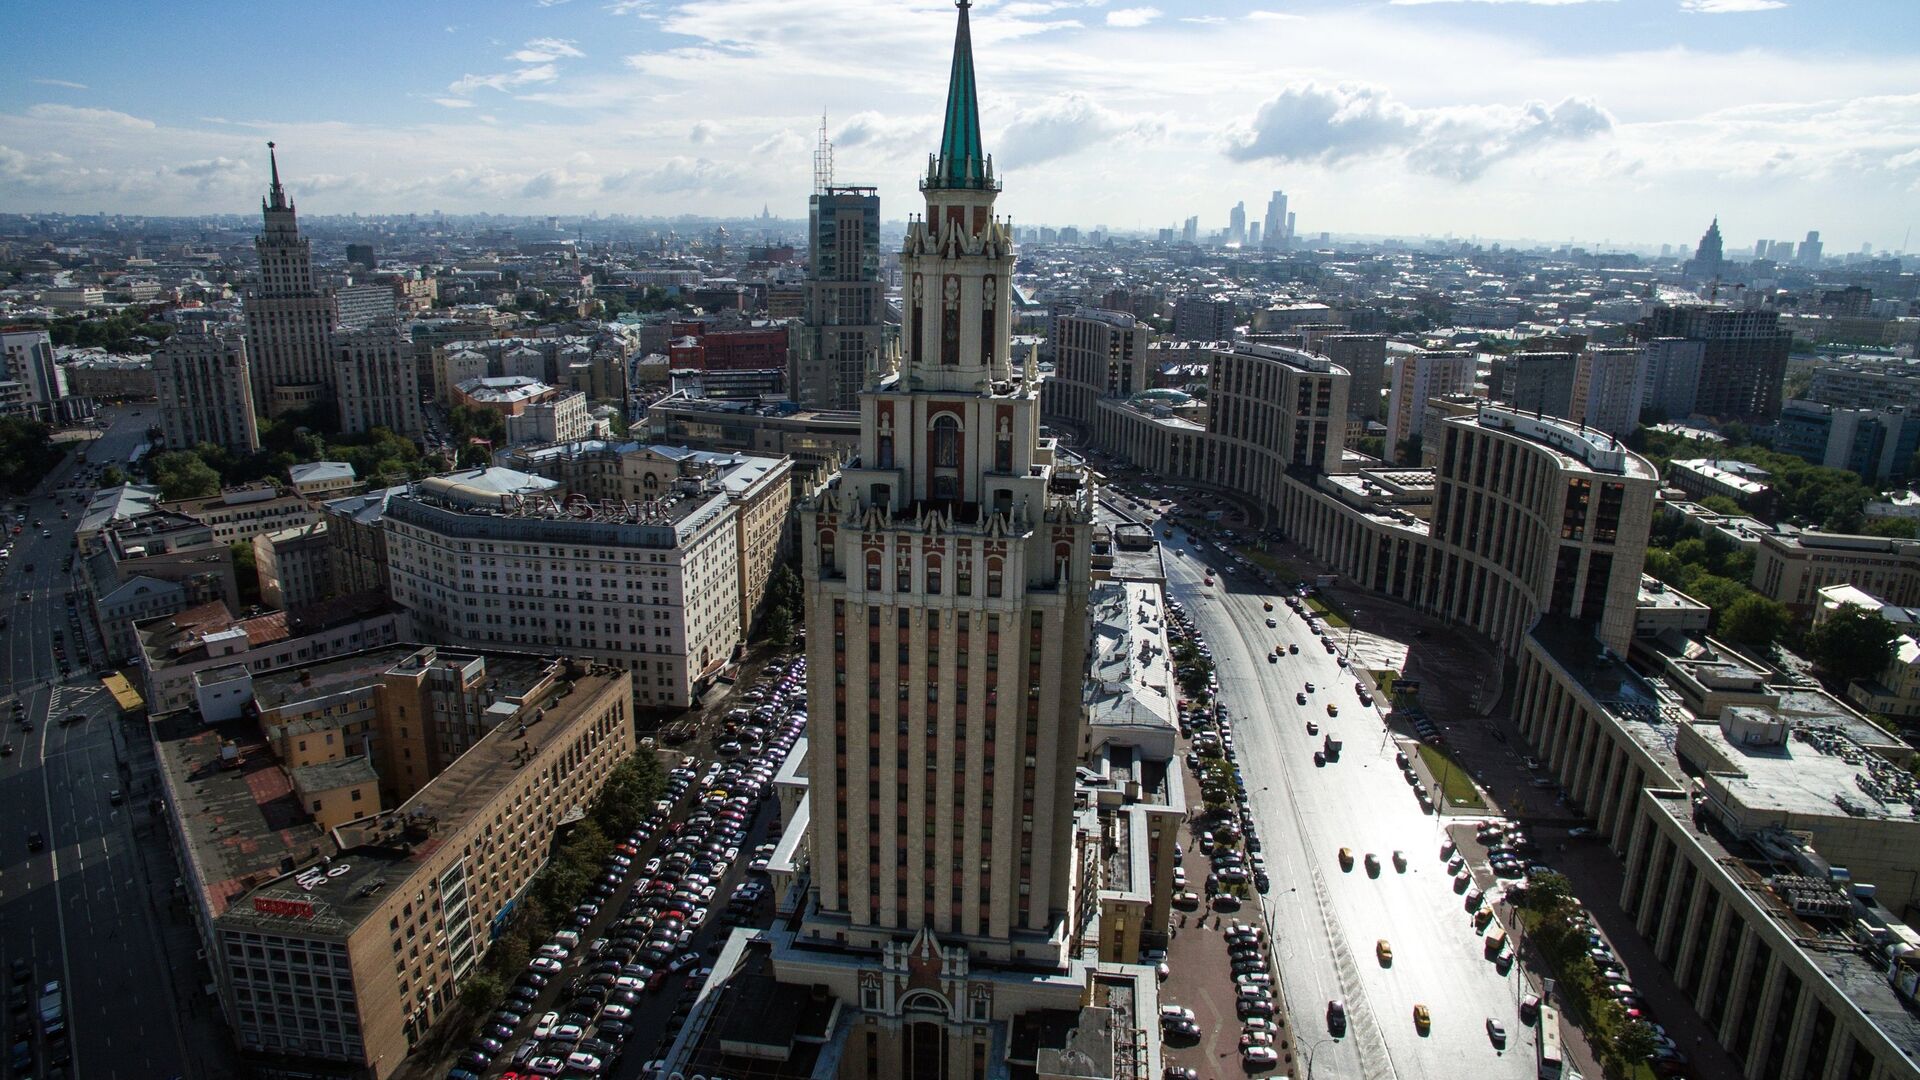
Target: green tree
182, 474
1720, 504
111, 476
1633, 1043
629, 794
1754, 620
509, 955
1852, 643
481, 991
1901, 528
474, 456
1548, 894
246, 573
27, 453
778, 627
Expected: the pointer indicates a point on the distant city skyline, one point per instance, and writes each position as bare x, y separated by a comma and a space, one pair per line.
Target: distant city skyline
1625, 122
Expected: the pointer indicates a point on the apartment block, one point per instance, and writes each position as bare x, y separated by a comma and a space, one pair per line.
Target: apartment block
1792, 567
294, 566
651, 586
175, 648
1096, 354
1417, 377
204, 389
238, 514
758, 487
377, 380
342, 905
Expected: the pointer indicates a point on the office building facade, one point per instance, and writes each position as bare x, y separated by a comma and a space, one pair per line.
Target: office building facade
204, 389
1417, 377
1743, 362
841, 339
377, 380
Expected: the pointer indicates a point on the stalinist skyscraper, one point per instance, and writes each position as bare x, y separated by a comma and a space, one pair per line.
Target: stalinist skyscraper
946, 905
290, 321
947, 608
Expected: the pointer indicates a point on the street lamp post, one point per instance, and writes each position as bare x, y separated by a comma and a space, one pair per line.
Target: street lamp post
1322, 1041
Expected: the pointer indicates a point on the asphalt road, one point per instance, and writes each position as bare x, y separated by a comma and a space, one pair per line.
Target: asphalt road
1327, 921
79, 909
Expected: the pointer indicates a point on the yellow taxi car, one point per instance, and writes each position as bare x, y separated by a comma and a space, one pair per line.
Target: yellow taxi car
1422, 1019
1346, 858
1384, 951
1332, 709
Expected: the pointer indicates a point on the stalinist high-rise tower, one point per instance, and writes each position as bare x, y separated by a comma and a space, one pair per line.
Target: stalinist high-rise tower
947, 608
940, 890
290, 320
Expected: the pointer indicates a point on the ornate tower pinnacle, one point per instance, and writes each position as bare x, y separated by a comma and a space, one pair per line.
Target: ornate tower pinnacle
962, 162
276, 195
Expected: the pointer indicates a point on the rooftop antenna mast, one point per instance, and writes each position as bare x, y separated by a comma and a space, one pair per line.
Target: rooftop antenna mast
823, 161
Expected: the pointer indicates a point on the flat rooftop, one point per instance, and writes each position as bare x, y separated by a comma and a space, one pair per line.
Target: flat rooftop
1826, 946
514, 673
1631, 700
758, 1028
383, 852
1130, 680
1813, 772
241, 821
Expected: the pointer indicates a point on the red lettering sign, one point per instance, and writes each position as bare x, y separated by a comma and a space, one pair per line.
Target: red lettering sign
297, 909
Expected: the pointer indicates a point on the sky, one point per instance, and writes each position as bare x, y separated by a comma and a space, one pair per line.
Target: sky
1591, 121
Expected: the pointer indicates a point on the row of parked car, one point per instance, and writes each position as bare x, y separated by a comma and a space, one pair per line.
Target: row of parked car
664, 899
1251, 964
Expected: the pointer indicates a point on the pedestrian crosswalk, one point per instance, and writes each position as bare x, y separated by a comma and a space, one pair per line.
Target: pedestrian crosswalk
72, 697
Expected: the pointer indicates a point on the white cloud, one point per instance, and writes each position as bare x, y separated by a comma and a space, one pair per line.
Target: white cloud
1729, 7
1204, 20
1131, 17
701, 133
1312, 123
629, 7
62, 83
544, 50
1274, 16
453, 102
550, 3
540, 73
1060, 127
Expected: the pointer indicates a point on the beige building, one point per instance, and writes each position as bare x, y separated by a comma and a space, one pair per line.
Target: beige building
238, 514
322, 479
294, 566
1792, 567
651, 586
559, 417
758, 487
338, 937
947, 626
1096, 354
290, 317
204, 389
1418, 376
1768, 842
377, 380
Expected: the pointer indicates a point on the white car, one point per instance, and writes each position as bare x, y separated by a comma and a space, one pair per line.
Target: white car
553, 952
544, 965
544, 1026
1260, 1055
586, 1063
570, 1032
615, 1011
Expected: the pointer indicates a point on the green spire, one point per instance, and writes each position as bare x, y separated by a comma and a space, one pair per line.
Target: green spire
962, 162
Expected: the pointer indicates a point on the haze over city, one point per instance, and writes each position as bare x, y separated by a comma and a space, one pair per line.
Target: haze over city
1622, 123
